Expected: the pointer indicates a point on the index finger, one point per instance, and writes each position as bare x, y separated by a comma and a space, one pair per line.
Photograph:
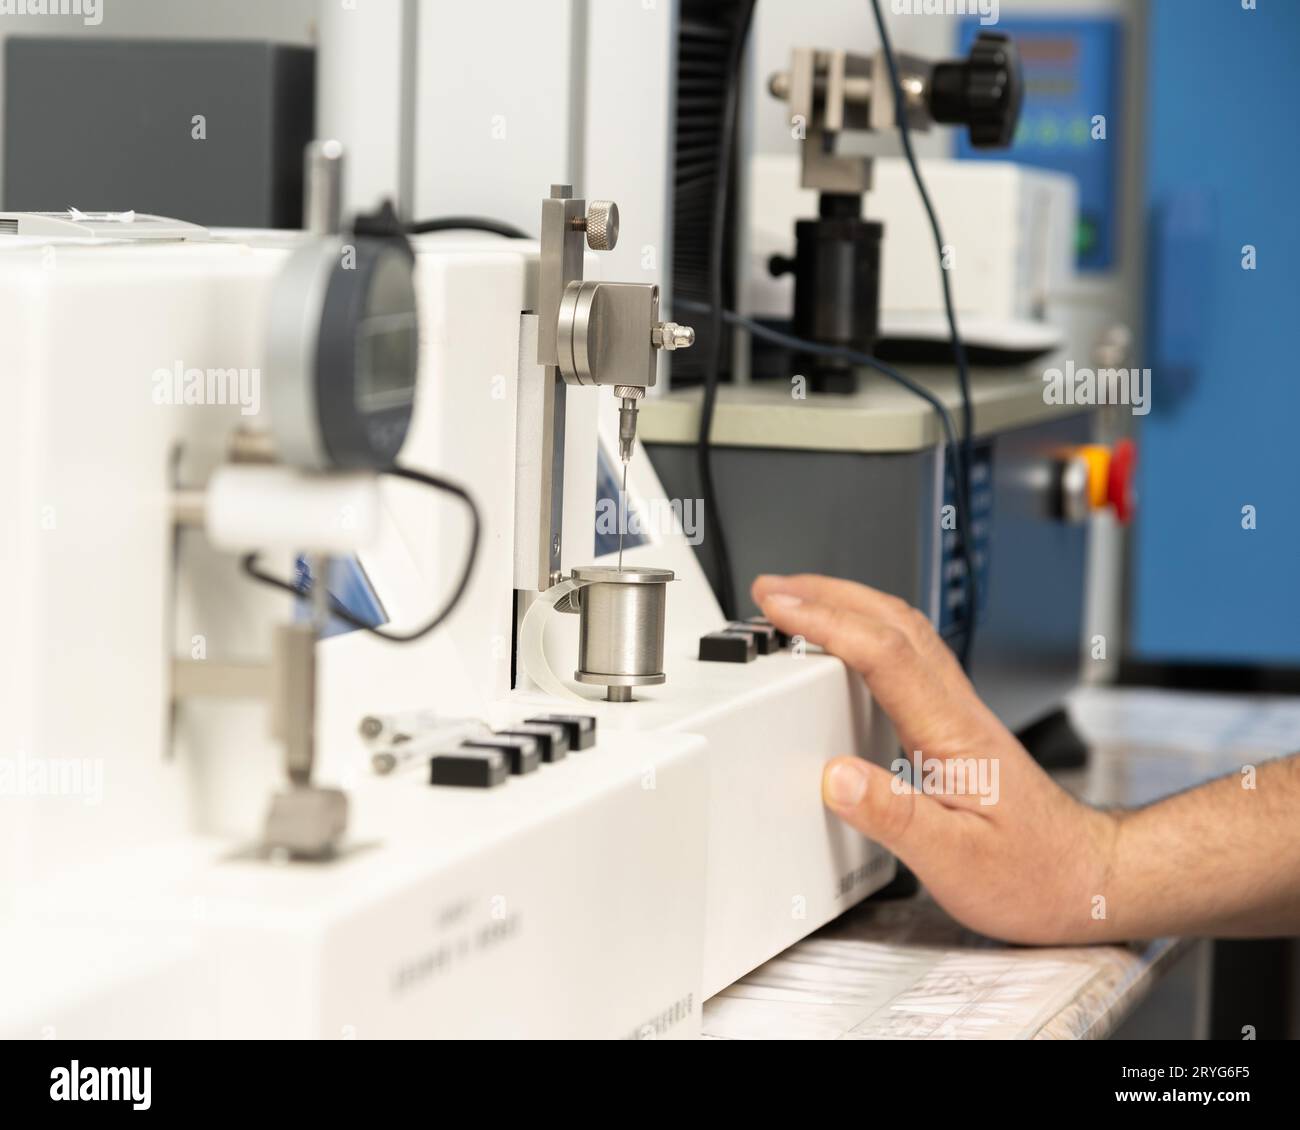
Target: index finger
866, 601
834, 591
880, 652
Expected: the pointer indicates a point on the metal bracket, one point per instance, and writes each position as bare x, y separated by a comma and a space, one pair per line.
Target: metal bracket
831, 93
588, 333
305, 821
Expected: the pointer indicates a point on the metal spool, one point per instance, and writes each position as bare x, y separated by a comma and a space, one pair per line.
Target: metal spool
621, 633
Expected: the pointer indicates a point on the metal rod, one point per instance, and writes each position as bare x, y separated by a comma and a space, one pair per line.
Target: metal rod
323, 188
622, 517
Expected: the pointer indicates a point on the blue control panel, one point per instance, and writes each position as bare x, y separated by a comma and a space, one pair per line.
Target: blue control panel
1073, 77
953, 613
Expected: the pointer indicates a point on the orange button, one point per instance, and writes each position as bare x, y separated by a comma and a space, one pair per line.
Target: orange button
1096, 457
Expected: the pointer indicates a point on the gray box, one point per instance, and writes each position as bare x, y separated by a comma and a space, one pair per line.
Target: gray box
871, 517
108, 125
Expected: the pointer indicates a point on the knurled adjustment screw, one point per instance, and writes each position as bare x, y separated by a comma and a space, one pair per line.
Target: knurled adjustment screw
602, 225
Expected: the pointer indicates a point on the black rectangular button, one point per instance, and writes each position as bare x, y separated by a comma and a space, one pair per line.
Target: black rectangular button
469, 768
728, 647
553, 738
766, 637
782, 640
522, 753
581, 727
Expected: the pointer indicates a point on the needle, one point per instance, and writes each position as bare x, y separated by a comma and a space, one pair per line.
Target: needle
622, 496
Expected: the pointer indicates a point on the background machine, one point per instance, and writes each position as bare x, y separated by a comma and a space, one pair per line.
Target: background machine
957, 485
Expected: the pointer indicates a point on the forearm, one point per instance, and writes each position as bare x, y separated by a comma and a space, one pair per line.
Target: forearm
1222, 859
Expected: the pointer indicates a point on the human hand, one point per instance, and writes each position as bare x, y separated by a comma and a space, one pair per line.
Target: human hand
1026, 867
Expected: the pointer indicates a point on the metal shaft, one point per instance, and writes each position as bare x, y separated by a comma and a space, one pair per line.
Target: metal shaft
622, 515
323, 189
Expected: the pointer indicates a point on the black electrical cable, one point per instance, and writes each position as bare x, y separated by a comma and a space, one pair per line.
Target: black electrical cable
467, 223
713, 362
852, 356
958, 346
336, 608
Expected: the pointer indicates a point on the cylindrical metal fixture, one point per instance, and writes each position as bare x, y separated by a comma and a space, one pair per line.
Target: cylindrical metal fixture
621, 633
323, 189
836, 287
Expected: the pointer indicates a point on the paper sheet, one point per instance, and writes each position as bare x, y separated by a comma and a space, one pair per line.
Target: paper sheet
848, 990
1190, 722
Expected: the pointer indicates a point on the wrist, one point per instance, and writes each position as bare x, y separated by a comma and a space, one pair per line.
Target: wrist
1104, 874
1079, 905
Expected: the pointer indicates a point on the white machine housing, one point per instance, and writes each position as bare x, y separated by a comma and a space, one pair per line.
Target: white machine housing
607, 895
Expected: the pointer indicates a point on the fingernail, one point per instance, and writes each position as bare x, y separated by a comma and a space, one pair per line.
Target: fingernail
846, 784
781, 600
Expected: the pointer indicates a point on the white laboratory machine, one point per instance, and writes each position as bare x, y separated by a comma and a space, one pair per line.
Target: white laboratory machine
338, 703
226, 814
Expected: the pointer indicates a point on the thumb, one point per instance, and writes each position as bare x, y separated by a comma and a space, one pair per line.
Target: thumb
886, 809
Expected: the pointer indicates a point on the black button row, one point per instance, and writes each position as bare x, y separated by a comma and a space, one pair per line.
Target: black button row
481, 763
742, 640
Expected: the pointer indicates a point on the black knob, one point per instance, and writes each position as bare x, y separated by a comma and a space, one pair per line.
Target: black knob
983, 91
779, 265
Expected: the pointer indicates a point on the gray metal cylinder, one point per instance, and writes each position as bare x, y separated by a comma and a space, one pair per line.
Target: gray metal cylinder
621, 633
323, 188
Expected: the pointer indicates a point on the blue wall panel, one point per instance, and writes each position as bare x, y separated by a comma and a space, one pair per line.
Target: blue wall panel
1223, 171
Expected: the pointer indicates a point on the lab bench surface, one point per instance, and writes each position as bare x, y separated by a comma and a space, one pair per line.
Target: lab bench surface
904, 969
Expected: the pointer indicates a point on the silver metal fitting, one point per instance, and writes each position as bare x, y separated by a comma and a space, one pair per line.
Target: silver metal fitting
629, 403
305, 822
778, 85
670, 336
